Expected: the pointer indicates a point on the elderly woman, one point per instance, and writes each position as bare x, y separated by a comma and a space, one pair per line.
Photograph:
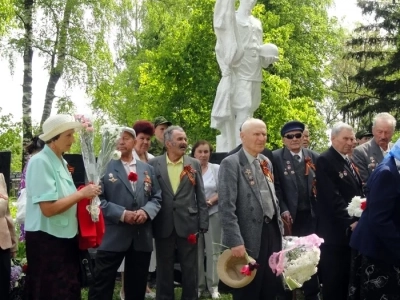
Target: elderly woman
51, 224
377, 234
209, 241
8, 241
144, 132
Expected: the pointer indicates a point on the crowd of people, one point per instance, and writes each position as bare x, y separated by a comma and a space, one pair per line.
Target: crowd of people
160, 204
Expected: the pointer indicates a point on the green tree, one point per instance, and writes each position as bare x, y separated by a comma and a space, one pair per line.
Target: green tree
10, 139
6, 15
171, 69
376, 47
73, 37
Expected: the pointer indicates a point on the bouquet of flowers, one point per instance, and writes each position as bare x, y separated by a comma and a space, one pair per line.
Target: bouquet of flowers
356, 206
298, 260
17, 279
95, 170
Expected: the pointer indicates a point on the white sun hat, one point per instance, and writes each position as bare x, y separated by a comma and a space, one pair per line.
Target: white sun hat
57, 124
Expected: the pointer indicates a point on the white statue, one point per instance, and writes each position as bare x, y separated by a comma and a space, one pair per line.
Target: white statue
240, 54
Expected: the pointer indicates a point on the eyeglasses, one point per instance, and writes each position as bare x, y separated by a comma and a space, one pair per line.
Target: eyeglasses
291, 136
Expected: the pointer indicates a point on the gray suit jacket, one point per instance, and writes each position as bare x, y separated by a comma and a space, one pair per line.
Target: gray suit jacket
117, 196
186, 210
239, 202
283, 160
366, 157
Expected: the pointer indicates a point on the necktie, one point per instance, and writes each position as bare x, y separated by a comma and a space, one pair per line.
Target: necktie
266, 194
351, 168
297, 157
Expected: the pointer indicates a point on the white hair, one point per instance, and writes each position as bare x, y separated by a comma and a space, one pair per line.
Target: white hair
338, 127
384, 116
251, 121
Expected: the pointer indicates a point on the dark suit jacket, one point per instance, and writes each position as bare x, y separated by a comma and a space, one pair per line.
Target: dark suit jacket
186, 210
268, 153
283, 158
118, 196
336, 186
239, 204
377, 234
367, 157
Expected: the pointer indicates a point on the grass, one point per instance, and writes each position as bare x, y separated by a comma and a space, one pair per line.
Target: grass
178, 292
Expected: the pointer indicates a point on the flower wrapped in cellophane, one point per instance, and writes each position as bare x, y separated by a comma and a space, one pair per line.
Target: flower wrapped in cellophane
298, 260
95, 170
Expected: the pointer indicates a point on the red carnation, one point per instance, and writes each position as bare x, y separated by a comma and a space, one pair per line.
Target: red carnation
192, 238
132, 177
363, 205
246, 270
25, 268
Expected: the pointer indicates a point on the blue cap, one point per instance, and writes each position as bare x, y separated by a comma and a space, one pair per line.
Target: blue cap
292, 126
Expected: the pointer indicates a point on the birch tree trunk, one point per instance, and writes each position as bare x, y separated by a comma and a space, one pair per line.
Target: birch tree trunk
57, 60
27, 80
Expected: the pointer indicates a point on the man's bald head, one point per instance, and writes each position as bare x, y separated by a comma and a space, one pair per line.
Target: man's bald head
254, 136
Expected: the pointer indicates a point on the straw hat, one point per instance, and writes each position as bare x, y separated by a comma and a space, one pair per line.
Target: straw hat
57, 124
228, 269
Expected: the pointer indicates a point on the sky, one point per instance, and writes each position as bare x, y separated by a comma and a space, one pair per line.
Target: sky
11, 90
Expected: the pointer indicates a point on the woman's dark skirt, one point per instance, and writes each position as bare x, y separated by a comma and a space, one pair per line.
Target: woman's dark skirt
373, 280
53, 267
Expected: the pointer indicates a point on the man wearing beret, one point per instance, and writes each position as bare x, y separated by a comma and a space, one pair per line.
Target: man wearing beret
363, 136
157, 143
296, 170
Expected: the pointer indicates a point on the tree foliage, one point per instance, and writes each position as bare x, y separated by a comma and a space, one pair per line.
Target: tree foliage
375, 47
6, 15
10, 139
171, 68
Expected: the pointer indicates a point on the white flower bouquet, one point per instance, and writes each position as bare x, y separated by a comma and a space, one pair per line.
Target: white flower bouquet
356, 206
95, 170
298, 260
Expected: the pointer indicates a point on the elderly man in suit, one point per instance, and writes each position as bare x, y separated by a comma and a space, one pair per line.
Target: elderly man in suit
130, 200
296, 170
249, 210
268, 153
368, 155
337, 183
183, 213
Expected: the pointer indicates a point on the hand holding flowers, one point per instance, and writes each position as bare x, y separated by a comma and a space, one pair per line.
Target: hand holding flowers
96, 170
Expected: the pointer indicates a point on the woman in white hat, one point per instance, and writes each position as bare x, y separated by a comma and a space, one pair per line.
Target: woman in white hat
51, 224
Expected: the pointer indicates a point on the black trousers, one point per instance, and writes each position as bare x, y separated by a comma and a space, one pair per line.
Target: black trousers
334, 267
265, 285
136, 270
187, 255
305, 225
5, 272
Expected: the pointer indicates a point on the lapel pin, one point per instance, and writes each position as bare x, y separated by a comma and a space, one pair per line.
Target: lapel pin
340, 174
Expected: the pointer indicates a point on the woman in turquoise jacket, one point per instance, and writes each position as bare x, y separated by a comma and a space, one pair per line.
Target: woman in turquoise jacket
51, 224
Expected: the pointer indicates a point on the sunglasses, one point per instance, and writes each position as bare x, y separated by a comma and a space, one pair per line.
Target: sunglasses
291, 136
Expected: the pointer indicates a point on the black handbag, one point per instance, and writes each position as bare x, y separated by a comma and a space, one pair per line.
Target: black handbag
86, 268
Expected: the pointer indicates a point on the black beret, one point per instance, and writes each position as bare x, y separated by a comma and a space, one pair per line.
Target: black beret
292, 126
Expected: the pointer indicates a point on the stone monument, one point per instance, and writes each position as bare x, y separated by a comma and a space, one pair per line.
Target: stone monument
240, 54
